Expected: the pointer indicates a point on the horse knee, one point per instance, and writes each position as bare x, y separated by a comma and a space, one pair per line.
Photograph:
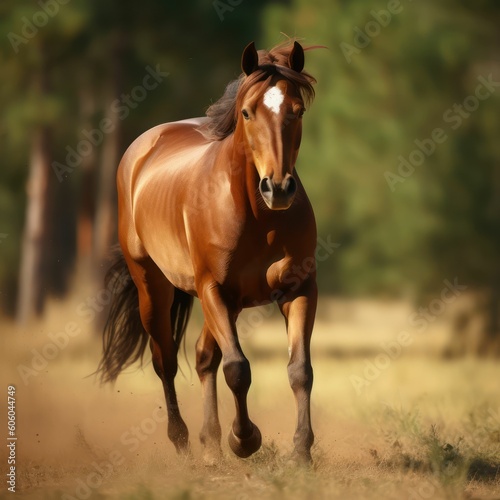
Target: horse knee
207, 360
238, 375
300, 375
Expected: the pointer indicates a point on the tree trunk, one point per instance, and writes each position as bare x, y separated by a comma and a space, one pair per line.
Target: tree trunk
105, 218
32, 287
86, 204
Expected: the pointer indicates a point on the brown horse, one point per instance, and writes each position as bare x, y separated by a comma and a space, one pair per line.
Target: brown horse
213, 208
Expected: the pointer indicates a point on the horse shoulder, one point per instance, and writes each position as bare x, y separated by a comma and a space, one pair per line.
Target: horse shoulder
171, 137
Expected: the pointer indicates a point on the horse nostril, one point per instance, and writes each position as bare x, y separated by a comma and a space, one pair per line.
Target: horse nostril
290, 186
265, 185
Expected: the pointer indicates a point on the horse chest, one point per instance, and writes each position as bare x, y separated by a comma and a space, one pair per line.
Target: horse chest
267, 272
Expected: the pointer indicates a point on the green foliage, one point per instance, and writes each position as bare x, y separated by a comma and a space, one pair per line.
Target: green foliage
372, 103
448, 458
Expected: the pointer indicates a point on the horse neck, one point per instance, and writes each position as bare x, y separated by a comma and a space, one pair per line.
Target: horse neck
243, 174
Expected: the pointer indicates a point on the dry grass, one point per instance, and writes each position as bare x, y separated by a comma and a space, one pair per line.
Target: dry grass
424, 428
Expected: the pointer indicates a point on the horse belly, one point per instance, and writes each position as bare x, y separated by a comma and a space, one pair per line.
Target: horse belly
160, 227
184, 282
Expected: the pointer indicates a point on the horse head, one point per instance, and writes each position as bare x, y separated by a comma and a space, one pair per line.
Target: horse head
270, 104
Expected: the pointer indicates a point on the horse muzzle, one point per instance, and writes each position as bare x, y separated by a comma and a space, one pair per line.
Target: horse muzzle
278, 196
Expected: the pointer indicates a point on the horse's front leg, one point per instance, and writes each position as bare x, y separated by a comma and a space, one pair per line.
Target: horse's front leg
299, 312
244, 437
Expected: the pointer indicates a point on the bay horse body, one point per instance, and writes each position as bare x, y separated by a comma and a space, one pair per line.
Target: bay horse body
213, 208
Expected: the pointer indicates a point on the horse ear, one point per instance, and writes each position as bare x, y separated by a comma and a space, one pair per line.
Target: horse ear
249, 59
296, 57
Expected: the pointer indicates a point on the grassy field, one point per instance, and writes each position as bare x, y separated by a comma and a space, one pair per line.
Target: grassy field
390, 422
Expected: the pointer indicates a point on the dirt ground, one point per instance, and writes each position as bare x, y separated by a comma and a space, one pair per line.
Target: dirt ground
392, 419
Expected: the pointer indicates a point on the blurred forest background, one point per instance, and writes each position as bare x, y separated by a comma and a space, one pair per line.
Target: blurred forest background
409, 206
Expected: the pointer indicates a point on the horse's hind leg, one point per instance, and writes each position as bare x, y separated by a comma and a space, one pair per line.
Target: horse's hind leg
165, 366
156, 295
208, 358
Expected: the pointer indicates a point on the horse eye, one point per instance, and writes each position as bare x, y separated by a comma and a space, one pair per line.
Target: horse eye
245, 114
301, 112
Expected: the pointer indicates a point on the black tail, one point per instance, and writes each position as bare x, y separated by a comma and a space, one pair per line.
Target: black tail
125, 339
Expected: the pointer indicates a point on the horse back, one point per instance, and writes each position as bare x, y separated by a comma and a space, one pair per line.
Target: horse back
152, 181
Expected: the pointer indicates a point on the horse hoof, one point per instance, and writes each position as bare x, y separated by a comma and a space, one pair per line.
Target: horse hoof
300, 459
245, 447
212, 457
184, 451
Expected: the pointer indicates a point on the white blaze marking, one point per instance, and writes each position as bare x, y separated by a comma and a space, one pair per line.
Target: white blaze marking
273, 99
